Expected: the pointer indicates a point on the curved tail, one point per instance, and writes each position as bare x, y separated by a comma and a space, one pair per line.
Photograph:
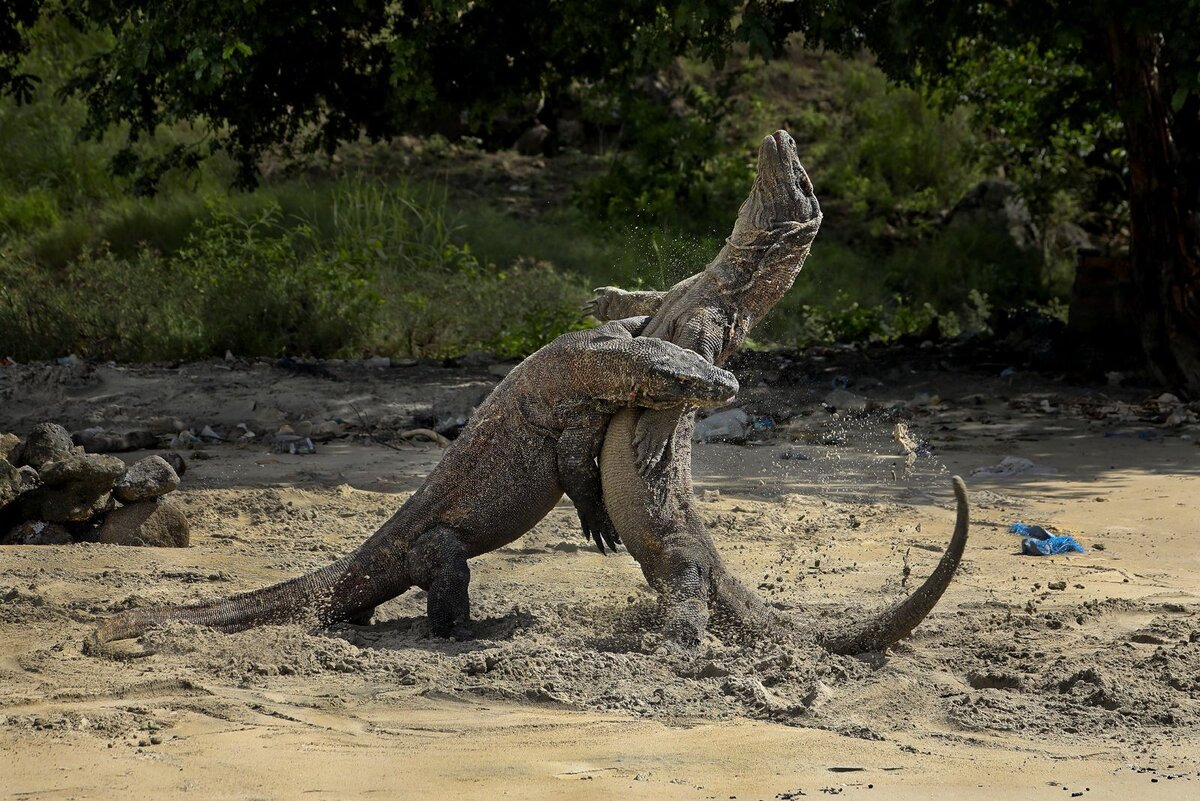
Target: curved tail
884, 629
333, 593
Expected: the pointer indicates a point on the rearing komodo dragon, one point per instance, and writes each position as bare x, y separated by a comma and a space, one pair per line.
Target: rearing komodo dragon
649, 497
535, 436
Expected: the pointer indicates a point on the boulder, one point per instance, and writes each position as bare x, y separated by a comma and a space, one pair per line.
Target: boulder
47, 441
730, 424
76, 488
86, 469
30, 480
536, 141
149, 478
37, 532
176, 460
8, 446
10, 483
154, 523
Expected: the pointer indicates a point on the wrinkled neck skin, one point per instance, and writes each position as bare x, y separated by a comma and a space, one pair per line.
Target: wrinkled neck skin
756, 268
712, 312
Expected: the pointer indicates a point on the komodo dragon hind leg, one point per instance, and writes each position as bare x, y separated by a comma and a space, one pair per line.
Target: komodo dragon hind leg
362, 617
438, 565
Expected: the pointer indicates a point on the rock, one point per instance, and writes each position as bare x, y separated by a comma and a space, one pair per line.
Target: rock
288, 443
76, 488
47, 441
845, 401
65, 504
37, 532
1011, 466
725, 425
10, 483
8, 445
184, 440
97, 440
176, 460
209, 435
817, 697
535, 141
327, 430
149, 478
153, 523
83, 469
30, 480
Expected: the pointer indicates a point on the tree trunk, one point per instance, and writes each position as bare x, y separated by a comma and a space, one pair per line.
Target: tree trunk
1164, 205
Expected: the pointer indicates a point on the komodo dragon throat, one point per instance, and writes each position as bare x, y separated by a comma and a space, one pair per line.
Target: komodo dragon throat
535, 436
645, 462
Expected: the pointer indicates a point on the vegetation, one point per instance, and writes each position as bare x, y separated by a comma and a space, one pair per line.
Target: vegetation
130, 243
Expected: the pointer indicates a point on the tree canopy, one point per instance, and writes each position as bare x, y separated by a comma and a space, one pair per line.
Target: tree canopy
1117, 82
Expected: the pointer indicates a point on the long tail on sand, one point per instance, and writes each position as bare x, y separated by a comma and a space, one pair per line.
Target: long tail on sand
883, 629
308, 595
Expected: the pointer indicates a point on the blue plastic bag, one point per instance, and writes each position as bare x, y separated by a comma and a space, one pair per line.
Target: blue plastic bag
1040, 542
1026, 530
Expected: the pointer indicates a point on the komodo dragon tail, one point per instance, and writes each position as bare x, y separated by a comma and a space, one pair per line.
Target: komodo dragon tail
311, 595
883, 629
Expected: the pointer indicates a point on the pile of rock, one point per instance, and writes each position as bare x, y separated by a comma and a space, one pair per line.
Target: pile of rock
53, 493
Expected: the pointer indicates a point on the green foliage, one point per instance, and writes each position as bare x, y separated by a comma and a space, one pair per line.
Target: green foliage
257, 286
891, 152
680, 170
26, 212
359, 267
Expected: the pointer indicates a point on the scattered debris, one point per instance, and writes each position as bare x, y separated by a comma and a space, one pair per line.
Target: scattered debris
425, 434
1011, 466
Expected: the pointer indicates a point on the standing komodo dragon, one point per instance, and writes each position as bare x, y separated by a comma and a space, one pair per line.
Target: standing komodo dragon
536, 435
646, 462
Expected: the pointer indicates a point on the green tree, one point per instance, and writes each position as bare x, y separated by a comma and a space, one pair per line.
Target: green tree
312, 74
1137, 62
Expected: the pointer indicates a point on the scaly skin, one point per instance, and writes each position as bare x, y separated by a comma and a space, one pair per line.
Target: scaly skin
534, 437
646, 457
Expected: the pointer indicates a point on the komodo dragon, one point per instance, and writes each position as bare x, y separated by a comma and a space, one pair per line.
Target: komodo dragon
536, 435
649, 497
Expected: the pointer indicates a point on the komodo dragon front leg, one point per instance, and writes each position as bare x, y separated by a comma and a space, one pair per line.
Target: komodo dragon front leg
614, 303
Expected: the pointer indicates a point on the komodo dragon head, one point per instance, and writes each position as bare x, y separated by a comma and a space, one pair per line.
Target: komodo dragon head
659, 375
781, 202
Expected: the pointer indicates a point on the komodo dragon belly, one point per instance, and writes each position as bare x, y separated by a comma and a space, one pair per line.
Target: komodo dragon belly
625, 491
647, 511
